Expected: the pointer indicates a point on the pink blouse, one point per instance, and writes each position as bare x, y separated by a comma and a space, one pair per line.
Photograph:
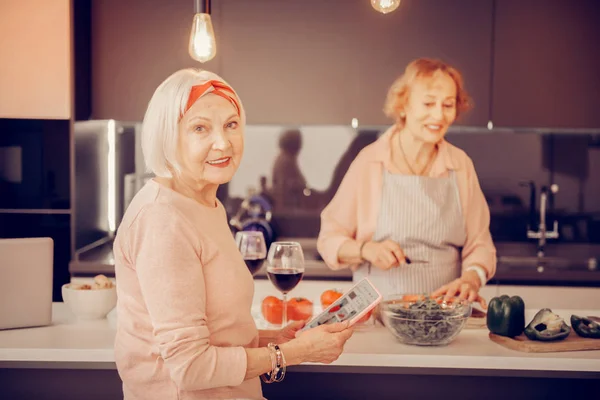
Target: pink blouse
184, 300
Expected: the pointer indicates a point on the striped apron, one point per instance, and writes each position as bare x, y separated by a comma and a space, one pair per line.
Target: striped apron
424, 216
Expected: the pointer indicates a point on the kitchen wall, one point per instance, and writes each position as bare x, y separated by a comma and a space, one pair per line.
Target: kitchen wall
570, 160
503, 161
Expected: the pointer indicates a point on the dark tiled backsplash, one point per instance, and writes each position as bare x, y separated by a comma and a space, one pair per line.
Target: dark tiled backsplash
503, 161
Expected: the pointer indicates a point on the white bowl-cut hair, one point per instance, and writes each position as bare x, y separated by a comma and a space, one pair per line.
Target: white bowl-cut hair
160, 128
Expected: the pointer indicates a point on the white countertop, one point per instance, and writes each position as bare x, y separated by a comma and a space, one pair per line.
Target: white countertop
69, 343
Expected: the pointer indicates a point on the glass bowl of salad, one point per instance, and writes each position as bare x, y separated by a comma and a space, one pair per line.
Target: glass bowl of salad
424, 321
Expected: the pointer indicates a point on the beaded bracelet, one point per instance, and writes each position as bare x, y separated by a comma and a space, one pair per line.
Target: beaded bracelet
269, 377
281, 365
278, 365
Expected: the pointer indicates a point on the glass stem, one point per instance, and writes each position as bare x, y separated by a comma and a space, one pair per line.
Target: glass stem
284, 317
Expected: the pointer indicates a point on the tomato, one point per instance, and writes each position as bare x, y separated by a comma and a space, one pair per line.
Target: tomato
300, 309
329, 296
272, 309
413, 297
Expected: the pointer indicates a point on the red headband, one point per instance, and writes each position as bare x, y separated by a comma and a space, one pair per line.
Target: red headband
214, 87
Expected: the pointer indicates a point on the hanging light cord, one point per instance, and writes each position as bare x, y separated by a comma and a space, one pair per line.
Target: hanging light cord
202, 7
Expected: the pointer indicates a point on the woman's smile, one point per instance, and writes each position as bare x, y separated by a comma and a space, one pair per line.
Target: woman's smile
219, 162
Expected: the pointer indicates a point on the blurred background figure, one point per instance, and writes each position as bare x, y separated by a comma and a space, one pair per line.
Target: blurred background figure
289, 184
362, 139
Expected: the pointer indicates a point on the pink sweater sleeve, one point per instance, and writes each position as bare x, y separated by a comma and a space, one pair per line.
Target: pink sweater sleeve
165, 250
339, 218
479, 249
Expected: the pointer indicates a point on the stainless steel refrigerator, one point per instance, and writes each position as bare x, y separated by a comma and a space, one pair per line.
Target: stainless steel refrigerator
107, 161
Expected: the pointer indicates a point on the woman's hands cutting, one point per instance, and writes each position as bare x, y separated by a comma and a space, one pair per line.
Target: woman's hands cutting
384, 255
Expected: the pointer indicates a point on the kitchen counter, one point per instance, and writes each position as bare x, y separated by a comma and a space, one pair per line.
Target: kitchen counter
99, 260
70, 345
88, 344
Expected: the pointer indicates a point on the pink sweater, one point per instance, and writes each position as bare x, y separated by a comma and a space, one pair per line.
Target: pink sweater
352, 213
184, 299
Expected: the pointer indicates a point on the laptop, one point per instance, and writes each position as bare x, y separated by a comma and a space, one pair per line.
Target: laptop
26, 267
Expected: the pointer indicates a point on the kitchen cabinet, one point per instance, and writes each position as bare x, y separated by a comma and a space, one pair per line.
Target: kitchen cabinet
135, 45
458, 34
326, 62
35, 49
293, 62
526, 63
546, 64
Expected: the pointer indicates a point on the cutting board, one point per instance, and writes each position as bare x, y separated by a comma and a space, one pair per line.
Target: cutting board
477, 320
573, 342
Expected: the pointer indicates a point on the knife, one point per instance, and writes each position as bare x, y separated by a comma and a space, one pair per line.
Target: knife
413, 261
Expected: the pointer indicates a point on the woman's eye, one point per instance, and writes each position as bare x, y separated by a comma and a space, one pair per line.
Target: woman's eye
449, 105
428, 104
200, 128
232, 125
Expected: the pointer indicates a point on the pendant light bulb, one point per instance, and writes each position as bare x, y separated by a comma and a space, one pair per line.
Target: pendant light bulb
385, 6
202, 45
202, 39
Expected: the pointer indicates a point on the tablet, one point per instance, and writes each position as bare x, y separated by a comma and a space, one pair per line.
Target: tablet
353, 305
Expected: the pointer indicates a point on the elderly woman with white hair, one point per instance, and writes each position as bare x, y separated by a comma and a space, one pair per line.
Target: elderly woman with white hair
185, 330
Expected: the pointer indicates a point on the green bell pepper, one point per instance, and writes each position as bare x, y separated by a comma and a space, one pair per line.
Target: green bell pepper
506, 316
585, 327
547, 326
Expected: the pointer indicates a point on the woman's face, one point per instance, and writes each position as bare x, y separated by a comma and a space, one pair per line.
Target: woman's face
211, 140
431, 107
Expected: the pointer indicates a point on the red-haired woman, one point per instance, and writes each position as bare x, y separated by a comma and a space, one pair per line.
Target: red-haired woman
410, 213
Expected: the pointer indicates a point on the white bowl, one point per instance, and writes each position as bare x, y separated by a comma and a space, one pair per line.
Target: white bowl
90, 304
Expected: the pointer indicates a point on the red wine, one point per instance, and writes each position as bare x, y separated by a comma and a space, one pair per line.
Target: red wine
254, 264
284, 279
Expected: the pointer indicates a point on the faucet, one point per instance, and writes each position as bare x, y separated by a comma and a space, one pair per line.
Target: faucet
532, 198
542, 234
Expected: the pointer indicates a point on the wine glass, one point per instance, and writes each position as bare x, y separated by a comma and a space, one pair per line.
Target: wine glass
285, 268
253, 248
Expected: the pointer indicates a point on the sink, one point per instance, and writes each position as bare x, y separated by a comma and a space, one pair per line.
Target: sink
541, 264
557, 256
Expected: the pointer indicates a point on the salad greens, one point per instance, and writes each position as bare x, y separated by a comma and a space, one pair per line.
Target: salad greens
426, 321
